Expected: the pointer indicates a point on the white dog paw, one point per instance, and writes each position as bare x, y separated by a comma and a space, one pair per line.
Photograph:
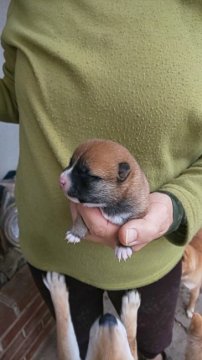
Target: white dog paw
130, 306
71, 238
189, 313
55, 282
131, 301
123, 252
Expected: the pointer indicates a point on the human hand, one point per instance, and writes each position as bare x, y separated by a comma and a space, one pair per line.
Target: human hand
138, 233
100, 230
135, 233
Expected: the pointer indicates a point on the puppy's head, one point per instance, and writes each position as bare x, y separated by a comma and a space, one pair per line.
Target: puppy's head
102, 173
195, 328
188, 260
108, 340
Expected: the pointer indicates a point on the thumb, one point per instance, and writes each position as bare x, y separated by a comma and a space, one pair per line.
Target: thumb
137, 231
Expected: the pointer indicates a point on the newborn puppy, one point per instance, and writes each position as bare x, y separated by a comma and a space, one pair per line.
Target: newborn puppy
104, 174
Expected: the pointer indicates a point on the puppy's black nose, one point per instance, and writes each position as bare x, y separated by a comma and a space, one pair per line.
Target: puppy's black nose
107, 320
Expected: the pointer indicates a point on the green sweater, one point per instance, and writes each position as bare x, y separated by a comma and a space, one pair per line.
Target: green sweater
125, 70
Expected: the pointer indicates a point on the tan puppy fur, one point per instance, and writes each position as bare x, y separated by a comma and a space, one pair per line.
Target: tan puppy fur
104, 174
108, 341
192, 270
194, 341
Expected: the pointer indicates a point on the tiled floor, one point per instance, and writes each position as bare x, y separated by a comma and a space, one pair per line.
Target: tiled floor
176, 349
25, 321
48, 350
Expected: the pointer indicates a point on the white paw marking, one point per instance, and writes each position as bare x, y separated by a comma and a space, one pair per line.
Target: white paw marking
130, 305
190, 313
71, 238
123, 252
116, 219
131, 300
54, 281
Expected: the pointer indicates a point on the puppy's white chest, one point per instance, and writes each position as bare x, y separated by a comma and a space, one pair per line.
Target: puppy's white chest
117, 219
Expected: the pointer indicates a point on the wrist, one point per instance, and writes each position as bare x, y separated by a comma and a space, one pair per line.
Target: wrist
179, 217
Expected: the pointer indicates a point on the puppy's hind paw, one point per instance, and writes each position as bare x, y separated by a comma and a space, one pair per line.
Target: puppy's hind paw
123, 252
72, 238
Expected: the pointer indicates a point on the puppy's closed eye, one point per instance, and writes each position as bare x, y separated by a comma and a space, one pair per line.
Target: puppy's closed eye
123, 171
95, 177
83, 169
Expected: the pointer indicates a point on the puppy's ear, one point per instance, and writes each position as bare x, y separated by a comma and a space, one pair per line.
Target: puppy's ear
123, 171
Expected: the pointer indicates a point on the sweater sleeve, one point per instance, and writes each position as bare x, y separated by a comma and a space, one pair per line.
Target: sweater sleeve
188, 189
8, 105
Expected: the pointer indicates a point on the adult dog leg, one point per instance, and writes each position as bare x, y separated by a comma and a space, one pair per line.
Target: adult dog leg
194, 294
130, 306
66, 340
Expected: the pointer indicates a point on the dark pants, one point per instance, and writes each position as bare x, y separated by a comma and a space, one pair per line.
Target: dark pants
155, 316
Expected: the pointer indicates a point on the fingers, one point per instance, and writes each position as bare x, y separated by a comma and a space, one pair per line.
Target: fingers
92, 217
97, 225
135, 233
138, 233
100, 230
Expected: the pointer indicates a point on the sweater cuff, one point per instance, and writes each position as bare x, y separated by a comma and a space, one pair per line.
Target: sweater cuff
179, 224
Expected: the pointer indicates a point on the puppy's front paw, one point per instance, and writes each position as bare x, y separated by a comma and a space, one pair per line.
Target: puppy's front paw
123, 252
72, 238
55, 283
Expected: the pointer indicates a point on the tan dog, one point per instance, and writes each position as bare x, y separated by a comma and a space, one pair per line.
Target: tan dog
194, 341
104, 174
110, 338
192, 270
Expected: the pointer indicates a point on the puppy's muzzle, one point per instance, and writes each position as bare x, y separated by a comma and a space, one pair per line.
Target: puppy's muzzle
107, 320
64, 181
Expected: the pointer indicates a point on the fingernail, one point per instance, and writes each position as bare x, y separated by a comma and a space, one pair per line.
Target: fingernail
131, 236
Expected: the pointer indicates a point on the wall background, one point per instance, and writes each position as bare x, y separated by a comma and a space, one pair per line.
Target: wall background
9, 147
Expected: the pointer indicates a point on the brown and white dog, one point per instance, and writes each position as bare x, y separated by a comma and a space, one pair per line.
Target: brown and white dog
110, 338
104, 174
194, 340
192, 270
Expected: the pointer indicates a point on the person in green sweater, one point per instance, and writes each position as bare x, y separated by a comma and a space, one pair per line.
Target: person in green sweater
129, 71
